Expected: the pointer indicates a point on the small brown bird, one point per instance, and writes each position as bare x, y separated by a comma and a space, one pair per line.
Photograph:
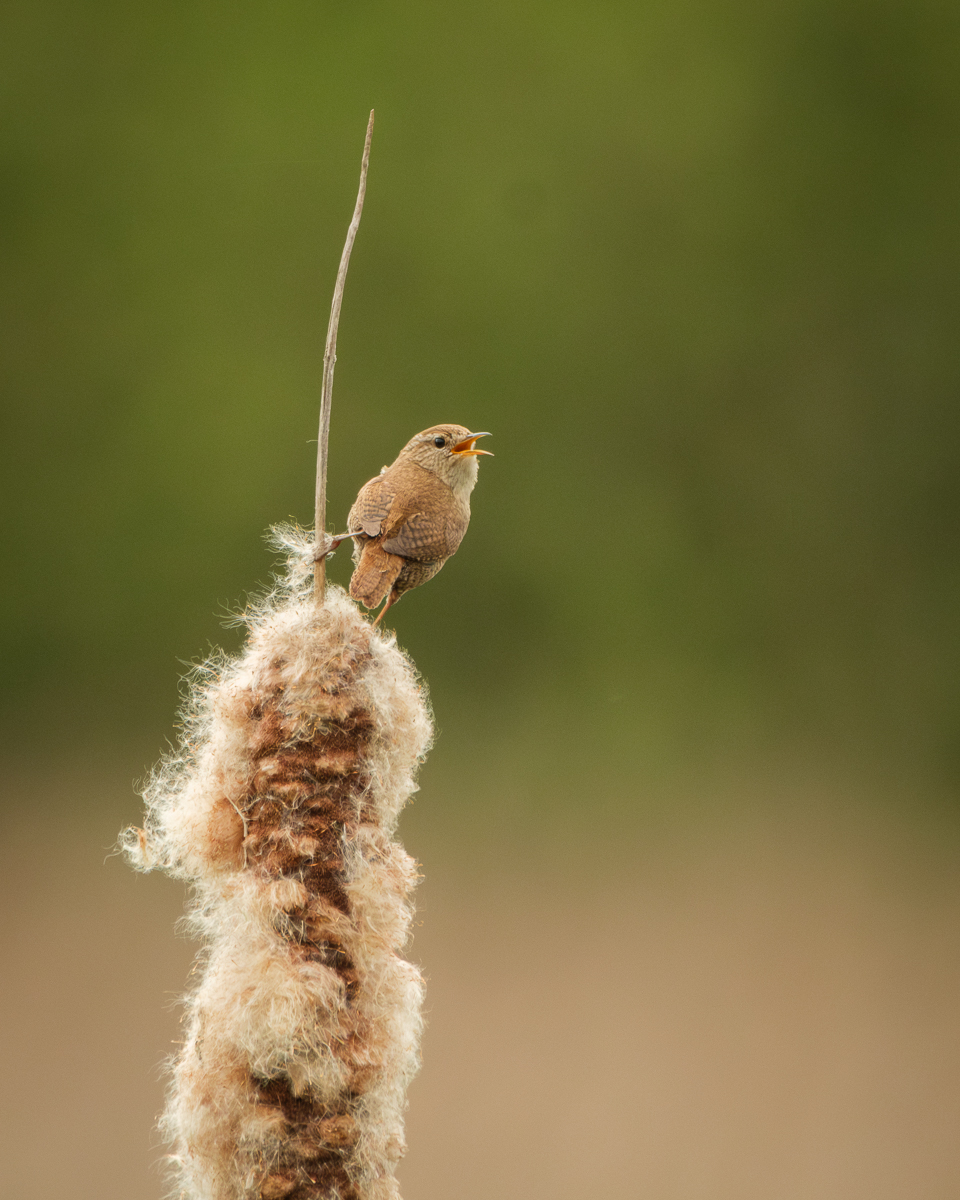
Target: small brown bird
409, 519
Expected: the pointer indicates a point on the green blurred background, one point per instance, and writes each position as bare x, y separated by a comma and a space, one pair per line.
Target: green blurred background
696, 266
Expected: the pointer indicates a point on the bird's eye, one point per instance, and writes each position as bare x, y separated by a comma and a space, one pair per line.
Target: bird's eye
440, 442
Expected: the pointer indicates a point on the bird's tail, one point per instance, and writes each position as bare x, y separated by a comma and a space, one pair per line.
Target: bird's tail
375, 575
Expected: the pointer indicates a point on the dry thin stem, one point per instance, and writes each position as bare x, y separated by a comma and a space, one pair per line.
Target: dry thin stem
326, 394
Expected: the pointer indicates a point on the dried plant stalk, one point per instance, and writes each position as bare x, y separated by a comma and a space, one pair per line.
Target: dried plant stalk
323, 543
303, 1029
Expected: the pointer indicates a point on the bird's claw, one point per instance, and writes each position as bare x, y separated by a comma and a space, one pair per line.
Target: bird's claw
328, 542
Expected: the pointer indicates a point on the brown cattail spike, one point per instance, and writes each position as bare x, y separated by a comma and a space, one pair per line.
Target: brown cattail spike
280, 809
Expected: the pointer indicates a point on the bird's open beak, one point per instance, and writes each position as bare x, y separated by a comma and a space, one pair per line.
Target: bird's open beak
467, 447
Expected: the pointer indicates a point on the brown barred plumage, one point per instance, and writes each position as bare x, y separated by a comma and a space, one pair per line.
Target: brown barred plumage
410, 519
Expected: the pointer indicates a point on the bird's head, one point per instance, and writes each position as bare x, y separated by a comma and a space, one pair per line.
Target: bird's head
448, 451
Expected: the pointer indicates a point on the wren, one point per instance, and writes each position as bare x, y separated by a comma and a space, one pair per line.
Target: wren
409, 519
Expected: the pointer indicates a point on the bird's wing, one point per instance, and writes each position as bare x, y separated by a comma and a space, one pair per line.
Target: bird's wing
396, 515
371, 507
419, 535
380, 510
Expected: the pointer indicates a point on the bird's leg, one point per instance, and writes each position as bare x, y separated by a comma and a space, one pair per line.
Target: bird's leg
391, 599
330, 542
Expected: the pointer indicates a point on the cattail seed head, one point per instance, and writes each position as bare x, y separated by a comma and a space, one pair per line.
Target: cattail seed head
280, 809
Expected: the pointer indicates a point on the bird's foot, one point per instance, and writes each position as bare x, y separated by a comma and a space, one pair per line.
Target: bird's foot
391, 600
329, 542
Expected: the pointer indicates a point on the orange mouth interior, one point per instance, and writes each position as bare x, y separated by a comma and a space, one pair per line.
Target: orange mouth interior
467, 445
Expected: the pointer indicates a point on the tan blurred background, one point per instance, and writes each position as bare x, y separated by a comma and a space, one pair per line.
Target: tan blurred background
690, 831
